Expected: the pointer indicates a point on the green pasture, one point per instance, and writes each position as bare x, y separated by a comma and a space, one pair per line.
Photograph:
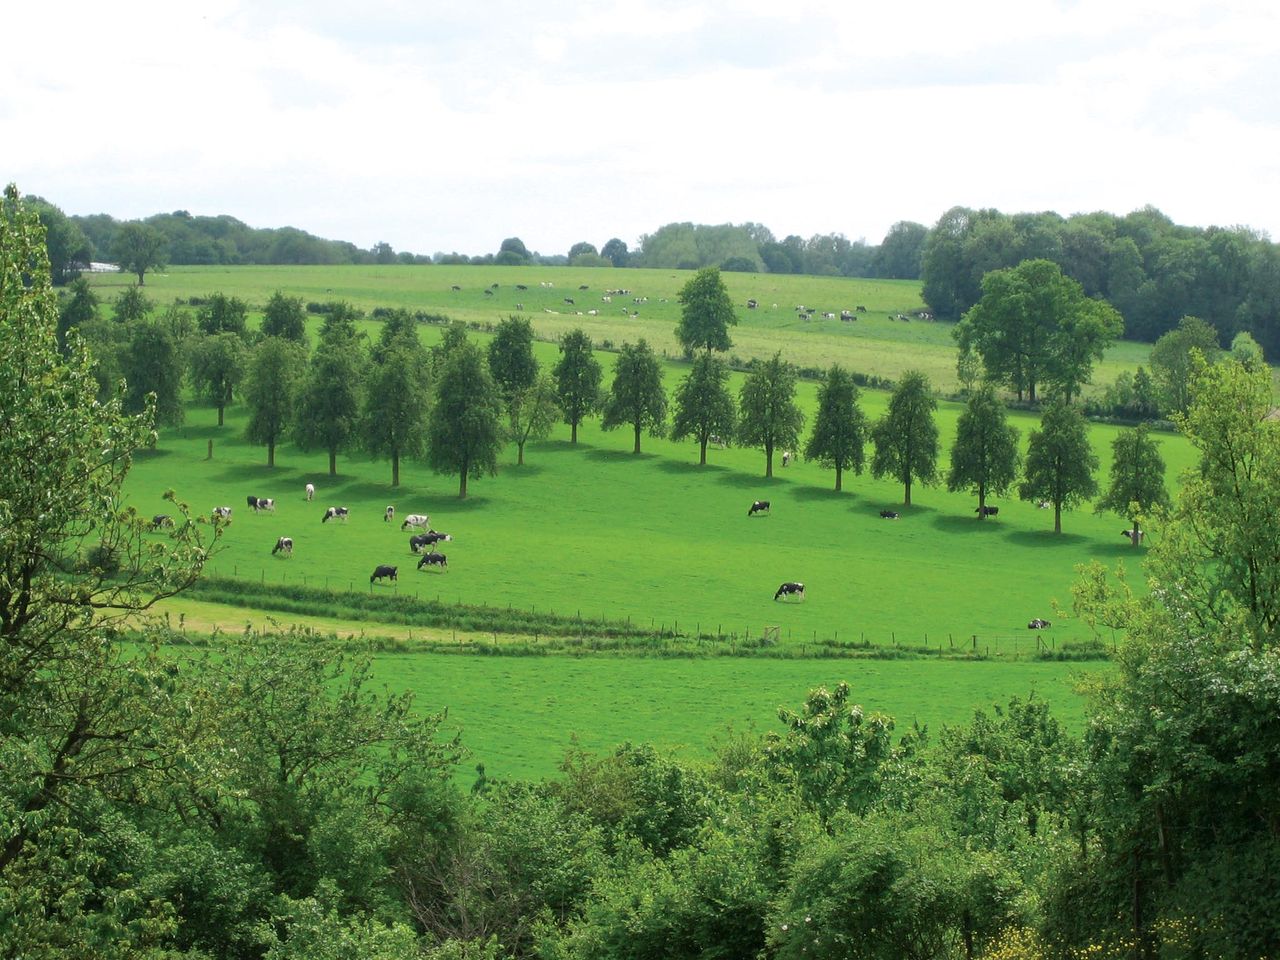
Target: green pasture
876, 343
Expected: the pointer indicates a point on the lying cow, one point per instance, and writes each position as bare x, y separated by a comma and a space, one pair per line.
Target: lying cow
382, 571
1038, 624
335, 513
420, 540
389, 514
1135, 536
888, 514
434, 559
759, 506
417, 521
986, 511
790, 590
283, 545
161, 521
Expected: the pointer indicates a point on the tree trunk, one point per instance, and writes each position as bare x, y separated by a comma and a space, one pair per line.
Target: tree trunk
271, 453
333, 462
637, 449
395, 468
768, 459
702, 459
1057, 517
462, 485
838, 478
1136, 536
573, 432
982, 501
219, 414
520, 454
906, 492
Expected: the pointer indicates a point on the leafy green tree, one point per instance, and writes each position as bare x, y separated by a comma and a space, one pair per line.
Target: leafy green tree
706, 313
132, 304
217, 367
80, 714
1245, 350
275, 369
223, 314
906, 437
968, 370
1080, 340
637, 396
284, 317
69, 249
511, 359
1137, 479
840, 428
901, 253
152, 363
582, 247
138, 248
616, 252
1171, 363
78, 310
984, 457
396, 399
768, 414
1060, 462
327, 411
577, 376
532, 413
512, 253
464, 433
704, 405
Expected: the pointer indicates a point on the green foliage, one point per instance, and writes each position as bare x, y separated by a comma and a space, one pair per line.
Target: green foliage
327, 407
532, 413
984, 457
616, 252
577, 377
906, 437
138, 248
704, 405
840, 428
1172, 366
1137, 478
1060, 463
511, 358
131, 305
223, 314
69, 249
706, 313
275, 368
768, 414
78, 310
636, 396
218, 364
464, 431
284, 317
152, 364
396, 401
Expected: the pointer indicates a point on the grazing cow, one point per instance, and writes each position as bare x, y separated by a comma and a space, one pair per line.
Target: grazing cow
388, 514
266, 503
583, 287
828, 315
434, 559
417, 521
860, 308
759, 506
522, 286
786, 458
569, 300
1038, 624
752, 304
222, 513
161, 521
716, 440
790, 590
846, 316
519, 306
1135, 536
420, 540
488, 293
252, 501
311, 492
382, 571
335, 513
986, 511
283, 545
455, 288
1043, 504
888, 514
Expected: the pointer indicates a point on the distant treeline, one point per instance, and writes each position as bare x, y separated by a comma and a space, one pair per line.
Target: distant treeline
1152, 270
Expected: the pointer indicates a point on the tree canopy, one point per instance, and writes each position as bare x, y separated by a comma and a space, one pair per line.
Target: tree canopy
906, 437
704, 405
984, 457
706, 313
577, 377
1060, 462
637, 396
768, 416
137, 249
464, 433
840, 427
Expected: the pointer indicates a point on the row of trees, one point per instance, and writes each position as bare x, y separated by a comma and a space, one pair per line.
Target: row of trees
264, 799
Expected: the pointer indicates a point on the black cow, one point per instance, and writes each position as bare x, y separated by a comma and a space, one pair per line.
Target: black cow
434, 559
161, 521
335, 513
759, 506
860, 308
751, 304
383, 571
1038, 624
283, 545
569, 301
986, 511
418, 541
790, 589
522, 286
889, 514
252, 501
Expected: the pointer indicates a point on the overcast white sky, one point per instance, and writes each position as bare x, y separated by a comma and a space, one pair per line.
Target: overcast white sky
448, 126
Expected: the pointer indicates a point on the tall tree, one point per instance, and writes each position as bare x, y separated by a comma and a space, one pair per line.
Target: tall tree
768, 414
704, 405
396, 400
69, 249
328, 404
532, 412
840, 428
616, 252
984, 457
224, 314
706, 313
284, 317
217, 367
464, 433
577, 376
511, 359
906, 437
130, 305
637, 396
152, 363
138, 248
1137, 479
1171, 363
1060, 462
275, 369
78, 310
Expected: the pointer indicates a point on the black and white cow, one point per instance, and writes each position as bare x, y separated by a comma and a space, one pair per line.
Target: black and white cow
790, 590
383, 571
222, 513
283, 545
787, 457
752, 304
420, 540
889, 514
311, 492
266, 503
1038, 624
252, 501
389, 514
986, 511
434, 559
416, 521
161, 521
1043, 504
1135, 536
759, 506
335, 513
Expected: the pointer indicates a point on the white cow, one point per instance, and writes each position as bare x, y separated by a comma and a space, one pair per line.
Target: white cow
266, 503
283, 545
389, 514
222, 513
419, 521
335, 513
311, 491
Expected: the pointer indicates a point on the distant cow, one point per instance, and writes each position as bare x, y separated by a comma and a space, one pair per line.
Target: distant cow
420, 540
417, 521
986, 511
583, 287
335, 513
1038, 624
790, 590
1043, 504
751, 304
252, 501
1135, 536
266, 503
846, 316
787, 456
161, 521
522, 286
382, 571
758, 506
434, 559
889, 514
283, 545
388, 514
716, 440
222, 513
311, 492
455, 288
569, 301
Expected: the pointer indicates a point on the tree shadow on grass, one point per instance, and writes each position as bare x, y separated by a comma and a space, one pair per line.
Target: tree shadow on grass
821, 494
960, 523
618, 456
212, 432
1119, 551
151, 454
559, 445
259, 473
685, 467
523, 471
1046, 538
747, 481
